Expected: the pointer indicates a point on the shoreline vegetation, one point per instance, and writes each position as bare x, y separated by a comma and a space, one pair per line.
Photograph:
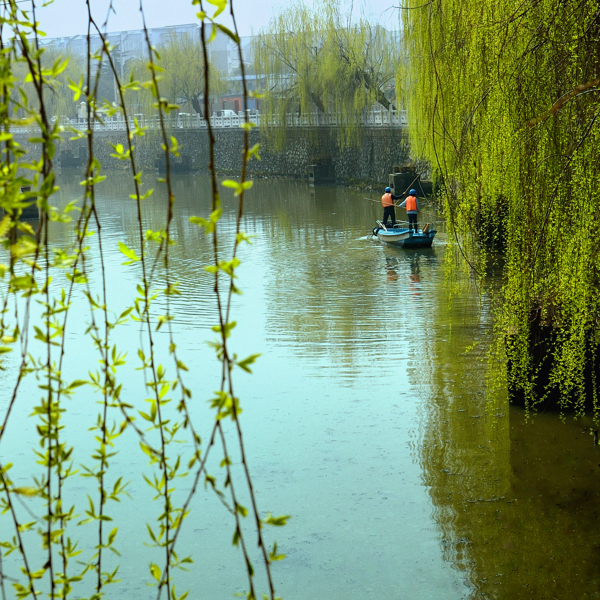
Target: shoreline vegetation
504, 104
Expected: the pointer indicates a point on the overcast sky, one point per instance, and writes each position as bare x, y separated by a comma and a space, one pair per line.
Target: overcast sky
69, 17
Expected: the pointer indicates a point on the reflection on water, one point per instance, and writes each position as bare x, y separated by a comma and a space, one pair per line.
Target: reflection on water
366, 417
516, 500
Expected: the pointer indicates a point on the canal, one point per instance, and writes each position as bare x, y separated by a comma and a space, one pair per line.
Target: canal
367, 417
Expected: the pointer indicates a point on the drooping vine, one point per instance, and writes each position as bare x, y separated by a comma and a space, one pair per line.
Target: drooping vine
504, 103
42, 284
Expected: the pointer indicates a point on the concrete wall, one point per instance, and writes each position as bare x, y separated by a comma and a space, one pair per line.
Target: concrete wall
368, 162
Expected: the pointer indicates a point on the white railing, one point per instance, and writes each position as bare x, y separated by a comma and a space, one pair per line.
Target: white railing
374, 118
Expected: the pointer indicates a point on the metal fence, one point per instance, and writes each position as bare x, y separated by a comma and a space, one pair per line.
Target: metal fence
374, 118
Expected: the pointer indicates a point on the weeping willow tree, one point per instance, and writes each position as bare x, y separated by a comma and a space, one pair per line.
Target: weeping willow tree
180, 69
504, 103
61, 487
317, 60
58, 98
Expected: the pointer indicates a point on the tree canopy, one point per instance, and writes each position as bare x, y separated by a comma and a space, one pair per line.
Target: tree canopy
182, 73
320, 60
58, 98
504, 102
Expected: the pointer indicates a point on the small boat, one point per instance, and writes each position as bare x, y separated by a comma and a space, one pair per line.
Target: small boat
403, 237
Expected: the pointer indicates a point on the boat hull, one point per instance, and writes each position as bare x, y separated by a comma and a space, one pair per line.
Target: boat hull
404, 238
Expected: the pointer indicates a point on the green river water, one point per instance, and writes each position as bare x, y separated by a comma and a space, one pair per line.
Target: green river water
366, 417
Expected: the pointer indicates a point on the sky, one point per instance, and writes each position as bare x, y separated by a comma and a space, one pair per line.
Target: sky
69, 17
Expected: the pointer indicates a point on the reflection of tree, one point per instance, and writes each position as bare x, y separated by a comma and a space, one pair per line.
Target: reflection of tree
514, 510
189, 255
326, 286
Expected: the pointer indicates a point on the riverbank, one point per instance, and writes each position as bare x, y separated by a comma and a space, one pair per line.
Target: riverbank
368, 163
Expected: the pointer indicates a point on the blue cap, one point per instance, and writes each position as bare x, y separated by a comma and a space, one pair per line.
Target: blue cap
413, 192
388, 189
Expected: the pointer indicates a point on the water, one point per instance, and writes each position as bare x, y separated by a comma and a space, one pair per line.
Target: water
366, 416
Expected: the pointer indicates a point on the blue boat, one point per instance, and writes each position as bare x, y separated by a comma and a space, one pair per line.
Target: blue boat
404, 238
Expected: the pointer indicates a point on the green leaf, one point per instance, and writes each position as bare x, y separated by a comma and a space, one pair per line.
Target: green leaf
77, 383
221, 6
155, 571
112, 535
228, 32
27, 491
244, 364
128, 253
276, 521
238, 187
273, 556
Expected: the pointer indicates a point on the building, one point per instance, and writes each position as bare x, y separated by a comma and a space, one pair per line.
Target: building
223, 53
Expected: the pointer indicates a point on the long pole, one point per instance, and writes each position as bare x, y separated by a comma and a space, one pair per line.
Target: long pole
378, 201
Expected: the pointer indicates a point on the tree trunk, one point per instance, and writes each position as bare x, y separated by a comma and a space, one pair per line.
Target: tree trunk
196, 105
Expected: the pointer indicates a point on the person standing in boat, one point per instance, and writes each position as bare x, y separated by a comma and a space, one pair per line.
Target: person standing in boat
412, 209
387, 201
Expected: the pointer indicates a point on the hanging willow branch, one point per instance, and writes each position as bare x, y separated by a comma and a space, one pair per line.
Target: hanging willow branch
474, 74
584, 88
64, 550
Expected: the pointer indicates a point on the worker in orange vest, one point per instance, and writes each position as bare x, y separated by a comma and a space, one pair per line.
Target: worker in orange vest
387, 201
412, 208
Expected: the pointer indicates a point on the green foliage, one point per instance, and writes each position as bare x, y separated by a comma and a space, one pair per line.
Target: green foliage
318, 60
504, 104
179, 64
55, 71
36, 303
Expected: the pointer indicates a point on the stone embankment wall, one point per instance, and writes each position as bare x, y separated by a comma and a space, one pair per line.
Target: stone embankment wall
369, 162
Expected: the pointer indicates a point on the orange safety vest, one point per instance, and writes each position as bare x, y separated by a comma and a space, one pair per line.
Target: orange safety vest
411, 203
386, 200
